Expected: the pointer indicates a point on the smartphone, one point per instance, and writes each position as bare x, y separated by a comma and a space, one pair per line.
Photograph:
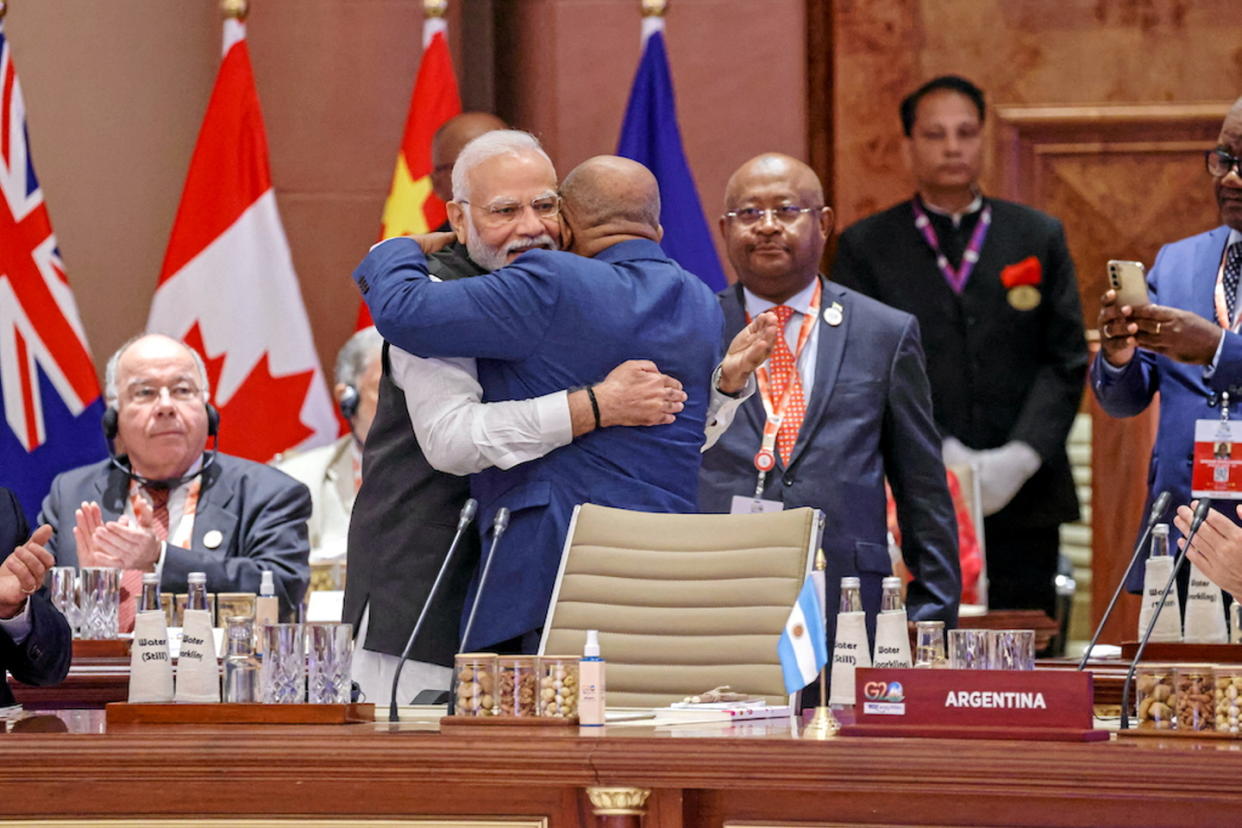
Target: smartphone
1129, 279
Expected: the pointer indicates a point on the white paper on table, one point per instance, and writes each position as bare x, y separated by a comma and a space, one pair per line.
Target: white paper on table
326, 605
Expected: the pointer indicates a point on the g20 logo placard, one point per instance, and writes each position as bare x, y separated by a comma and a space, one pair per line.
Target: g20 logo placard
884, 691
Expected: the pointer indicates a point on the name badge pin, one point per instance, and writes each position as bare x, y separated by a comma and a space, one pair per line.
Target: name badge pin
213, 539
834, 314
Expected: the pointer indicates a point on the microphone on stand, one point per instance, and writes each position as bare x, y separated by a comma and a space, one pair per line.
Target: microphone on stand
499, 525
1201, 512
1158, 508
463, 520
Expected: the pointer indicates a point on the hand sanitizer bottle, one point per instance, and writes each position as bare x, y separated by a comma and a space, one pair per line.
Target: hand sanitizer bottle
591, 689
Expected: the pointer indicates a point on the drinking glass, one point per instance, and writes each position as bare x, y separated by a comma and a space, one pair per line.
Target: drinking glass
100, 600
241, 668
968, 650
63, 588
1011, 649
282, 679
331, 650
929, 644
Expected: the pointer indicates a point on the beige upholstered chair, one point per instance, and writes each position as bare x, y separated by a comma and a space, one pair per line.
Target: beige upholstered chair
683, 603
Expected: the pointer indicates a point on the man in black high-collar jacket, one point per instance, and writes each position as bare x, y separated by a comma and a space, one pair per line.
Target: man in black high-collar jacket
35, 641
1006, 354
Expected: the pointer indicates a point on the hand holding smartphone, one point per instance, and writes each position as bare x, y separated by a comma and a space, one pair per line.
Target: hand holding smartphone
1129, 279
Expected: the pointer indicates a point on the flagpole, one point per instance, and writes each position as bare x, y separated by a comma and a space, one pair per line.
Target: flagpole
434, 21
823, 724
653, 17
235, 9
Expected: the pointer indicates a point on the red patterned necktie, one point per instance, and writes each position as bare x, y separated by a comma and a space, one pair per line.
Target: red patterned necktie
782, 372
131, 579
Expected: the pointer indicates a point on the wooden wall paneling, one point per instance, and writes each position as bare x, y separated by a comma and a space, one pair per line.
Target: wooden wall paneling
1124, 179
820, 80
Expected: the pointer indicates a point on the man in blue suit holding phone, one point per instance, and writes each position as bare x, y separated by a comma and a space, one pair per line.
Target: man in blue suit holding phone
1185, 344
552, 320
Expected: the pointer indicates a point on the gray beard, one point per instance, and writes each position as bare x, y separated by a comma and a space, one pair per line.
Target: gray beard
485, 257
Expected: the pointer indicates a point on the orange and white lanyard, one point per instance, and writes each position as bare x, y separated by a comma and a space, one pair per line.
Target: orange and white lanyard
1222, 306
765, 458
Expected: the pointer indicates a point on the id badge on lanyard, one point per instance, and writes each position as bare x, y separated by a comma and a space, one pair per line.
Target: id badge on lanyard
1217, 467
765, 457
765, 461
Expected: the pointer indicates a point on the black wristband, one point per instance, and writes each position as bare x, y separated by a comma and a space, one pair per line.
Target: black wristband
594, 405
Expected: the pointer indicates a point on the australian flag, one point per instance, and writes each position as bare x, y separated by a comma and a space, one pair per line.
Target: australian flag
50, 405
651, 137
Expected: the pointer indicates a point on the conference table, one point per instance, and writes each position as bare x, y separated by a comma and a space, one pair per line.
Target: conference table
65, 762
70, 765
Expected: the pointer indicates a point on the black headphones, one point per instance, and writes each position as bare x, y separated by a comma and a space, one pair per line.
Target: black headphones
111, 418
110, 427
348, 403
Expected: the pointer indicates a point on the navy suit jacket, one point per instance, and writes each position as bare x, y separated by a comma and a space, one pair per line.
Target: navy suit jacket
869, 416
43, 656
1184, 276
260, 514
547, 322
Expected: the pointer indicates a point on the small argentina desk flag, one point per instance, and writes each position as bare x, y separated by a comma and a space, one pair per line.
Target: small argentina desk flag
803, 649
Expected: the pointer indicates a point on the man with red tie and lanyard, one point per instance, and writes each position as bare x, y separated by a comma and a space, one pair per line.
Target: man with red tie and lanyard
844, 402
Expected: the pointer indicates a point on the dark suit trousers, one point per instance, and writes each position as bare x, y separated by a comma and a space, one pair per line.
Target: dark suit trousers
1022, 567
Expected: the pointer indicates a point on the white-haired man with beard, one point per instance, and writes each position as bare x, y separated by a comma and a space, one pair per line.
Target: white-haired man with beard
430, 427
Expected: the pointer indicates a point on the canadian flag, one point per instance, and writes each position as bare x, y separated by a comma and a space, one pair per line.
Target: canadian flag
228, 288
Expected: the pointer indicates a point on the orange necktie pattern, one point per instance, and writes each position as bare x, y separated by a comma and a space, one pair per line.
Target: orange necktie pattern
131, 579
783, 375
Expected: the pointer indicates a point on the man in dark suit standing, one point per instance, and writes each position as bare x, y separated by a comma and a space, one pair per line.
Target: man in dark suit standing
992, 285
843, 401
35, 641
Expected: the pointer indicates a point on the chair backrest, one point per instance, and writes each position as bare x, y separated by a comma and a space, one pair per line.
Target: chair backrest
968, 478
683, 603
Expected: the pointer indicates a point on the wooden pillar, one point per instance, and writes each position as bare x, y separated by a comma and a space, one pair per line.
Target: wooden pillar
617, 807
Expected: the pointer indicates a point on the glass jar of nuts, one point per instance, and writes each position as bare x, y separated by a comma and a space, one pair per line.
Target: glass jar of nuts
1227, 697
1194, 703
474, 679
516, 684
558, 686
1154, 696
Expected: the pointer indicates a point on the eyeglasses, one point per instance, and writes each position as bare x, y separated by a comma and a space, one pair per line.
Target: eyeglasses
148, 394
786, 214
500, 213
1219, 163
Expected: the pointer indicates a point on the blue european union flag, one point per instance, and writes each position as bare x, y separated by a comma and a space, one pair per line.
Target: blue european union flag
649, 135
